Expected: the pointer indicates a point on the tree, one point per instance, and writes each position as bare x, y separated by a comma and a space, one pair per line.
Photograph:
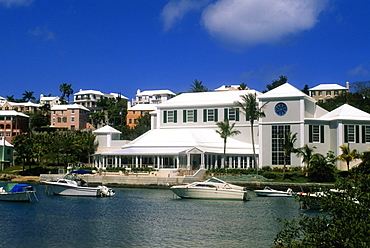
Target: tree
243, 86
344, 223
356, 100
348, 155
226, 130
288, 148
97, 118
306, 153
306, 89
322, 168
249, 107
197, 86
276, 83
28, 96
362, 88
66, 90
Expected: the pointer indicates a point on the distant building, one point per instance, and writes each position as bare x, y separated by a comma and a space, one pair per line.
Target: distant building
152, 96
13, 123
229, 87
89, 98
323, 92
51, 100
133, 113
73, 117
25, 107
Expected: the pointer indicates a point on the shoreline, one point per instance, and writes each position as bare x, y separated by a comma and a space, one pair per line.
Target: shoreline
250, 185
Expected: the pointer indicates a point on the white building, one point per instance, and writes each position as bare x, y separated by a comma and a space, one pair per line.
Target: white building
89, 98
184, 131
152, 96
51, 100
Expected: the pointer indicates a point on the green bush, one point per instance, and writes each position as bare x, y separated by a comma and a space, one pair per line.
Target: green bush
269, 175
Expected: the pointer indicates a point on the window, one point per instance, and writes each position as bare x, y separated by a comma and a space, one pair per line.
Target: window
231, 114
59, 120
328, 92
351, 134
64, 119
170, 116
335, 93
7, 134
73, 127
73, 111
313, 93
320, 93
189, 115
277, 142
210, 115
365, 134
72, 119
316, 133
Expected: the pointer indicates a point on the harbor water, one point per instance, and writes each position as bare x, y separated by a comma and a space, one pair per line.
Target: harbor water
143, 218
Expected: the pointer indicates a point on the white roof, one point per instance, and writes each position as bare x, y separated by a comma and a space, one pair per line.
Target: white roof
12, 113
154, 92
69, 106
227, 87
84, 92
175, 141
144, 107
328, 87
211, 98
346, 112
106, 129
48, 98
286, 90
27, 104
3, 140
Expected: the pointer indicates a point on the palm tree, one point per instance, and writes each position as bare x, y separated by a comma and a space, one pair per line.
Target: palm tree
197, 86
348, 155
288, 148
66, 90
226, 130
28, 96
249, 107
306, 152
243, 86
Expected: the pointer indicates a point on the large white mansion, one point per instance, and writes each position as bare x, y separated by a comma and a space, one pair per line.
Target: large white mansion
183, 133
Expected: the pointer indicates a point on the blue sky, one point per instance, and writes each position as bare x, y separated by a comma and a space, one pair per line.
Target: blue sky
124, 45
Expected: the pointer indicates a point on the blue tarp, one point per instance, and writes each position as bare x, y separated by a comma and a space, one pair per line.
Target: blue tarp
21, 188
81, 172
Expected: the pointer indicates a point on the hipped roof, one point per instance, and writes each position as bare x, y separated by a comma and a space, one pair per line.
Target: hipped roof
178, 141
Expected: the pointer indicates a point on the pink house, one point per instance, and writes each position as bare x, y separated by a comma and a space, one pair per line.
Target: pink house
73, 117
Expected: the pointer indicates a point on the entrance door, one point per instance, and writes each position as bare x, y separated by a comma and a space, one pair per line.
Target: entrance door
195, 161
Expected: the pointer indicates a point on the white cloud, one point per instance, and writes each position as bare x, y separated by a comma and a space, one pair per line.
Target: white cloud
360, 70
260, 21
175, 10
42, 32
10, 3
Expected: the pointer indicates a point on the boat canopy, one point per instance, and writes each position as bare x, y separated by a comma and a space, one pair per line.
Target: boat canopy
81, 172
20, 188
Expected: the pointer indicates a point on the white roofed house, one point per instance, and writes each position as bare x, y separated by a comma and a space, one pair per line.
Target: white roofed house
73, 117
89, 98
152, 96
323, 92
51, 100
184, 135
289, 109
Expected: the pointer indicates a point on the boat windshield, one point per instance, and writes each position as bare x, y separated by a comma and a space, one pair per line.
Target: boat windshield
214, 180
74, 177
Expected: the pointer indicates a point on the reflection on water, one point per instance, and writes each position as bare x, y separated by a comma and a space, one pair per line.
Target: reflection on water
143, 218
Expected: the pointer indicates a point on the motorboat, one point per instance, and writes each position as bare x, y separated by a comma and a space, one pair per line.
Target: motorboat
72, 185
213, 188
267, 191
18, 192
310, 200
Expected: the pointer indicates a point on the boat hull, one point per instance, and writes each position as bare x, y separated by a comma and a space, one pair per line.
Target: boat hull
16, 197
272, 194
204, 193
68, 190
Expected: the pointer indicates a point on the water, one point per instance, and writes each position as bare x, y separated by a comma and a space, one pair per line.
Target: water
142, 218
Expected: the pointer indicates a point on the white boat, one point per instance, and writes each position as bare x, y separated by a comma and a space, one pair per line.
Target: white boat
18, 192
212, 188
72, 185
267, 191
